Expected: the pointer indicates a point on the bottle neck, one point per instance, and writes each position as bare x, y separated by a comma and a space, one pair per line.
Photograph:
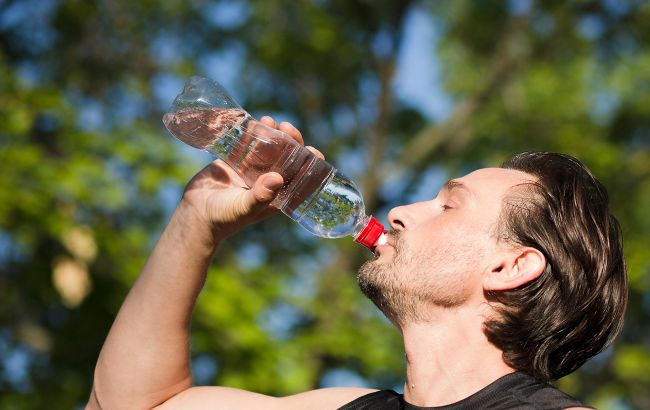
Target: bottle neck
368, 232
361, 225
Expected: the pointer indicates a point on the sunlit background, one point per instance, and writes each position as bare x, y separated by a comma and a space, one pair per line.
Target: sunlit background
400, 95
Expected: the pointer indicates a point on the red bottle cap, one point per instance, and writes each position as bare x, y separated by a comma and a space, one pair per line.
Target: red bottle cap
369, 235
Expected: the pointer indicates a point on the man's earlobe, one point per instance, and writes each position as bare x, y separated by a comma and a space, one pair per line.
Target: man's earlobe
517, 268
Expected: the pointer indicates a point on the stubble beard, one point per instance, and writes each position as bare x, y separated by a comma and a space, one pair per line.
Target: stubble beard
414, 286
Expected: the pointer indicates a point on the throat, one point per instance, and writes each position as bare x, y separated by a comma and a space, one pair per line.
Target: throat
444, 366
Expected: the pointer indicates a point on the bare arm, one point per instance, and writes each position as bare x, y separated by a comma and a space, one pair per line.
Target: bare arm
145, 359
144, 362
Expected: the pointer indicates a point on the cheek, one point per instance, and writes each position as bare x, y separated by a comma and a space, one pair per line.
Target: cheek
452, 246
441, 233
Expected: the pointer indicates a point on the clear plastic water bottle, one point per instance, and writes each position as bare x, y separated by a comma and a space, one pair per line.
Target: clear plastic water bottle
315, 194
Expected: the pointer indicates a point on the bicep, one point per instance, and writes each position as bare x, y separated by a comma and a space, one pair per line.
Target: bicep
222, 398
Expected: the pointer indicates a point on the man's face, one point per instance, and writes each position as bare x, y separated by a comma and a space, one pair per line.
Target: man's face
439, 249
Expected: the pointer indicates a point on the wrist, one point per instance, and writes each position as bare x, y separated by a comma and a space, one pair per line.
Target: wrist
194, 229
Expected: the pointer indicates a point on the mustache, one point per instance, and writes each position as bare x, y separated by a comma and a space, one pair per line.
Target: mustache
395, 238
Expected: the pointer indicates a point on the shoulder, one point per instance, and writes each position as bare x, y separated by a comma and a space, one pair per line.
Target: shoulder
541, 394
519, 390
217, 398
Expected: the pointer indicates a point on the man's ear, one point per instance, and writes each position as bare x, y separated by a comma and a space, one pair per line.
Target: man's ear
517, 267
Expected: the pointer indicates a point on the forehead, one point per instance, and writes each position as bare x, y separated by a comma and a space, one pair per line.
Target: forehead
489, 185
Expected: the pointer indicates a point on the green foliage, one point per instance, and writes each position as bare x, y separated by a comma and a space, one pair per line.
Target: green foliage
89, 175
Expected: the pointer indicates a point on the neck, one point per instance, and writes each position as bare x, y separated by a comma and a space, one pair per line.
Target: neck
449, 358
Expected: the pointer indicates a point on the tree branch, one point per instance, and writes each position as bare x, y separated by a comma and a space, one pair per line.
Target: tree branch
456, 132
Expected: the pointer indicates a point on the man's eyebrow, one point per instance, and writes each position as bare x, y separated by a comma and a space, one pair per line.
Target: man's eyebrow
452, 184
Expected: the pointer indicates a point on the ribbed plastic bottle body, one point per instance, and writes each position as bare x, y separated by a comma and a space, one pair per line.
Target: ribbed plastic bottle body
315, 194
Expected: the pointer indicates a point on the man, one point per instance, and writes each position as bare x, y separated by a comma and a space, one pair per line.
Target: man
509, 278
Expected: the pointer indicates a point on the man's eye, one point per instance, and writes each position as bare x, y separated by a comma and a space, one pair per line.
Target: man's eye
446, 207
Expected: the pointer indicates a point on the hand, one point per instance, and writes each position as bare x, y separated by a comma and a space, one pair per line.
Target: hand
220, 199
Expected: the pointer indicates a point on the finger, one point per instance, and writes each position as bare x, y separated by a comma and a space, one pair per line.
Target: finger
263, 191
266, 120
292, 131
316, 152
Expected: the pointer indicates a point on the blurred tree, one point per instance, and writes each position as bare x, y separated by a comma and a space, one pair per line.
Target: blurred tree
89, 175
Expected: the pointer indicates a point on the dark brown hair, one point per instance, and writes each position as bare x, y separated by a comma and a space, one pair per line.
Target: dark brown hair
552, 325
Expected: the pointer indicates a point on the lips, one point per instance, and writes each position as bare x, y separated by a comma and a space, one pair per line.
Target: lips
391, 238
390, 243
383, 245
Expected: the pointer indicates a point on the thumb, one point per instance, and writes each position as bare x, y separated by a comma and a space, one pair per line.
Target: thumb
263, 191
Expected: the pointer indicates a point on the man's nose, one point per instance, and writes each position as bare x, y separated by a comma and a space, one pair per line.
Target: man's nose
400, 218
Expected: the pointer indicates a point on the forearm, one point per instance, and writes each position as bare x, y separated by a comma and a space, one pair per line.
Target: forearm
145, 359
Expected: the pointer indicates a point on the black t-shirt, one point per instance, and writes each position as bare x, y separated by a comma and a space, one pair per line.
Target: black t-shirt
512, 391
